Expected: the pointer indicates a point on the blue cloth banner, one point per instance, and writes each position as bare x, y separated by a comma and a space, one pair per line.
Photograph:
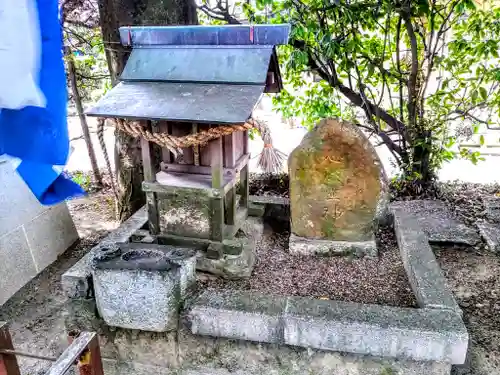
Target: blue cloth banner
39, 135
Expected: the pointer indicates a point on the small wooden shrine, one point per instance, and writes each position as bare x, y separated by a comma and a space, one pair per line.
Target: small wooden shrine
191, 90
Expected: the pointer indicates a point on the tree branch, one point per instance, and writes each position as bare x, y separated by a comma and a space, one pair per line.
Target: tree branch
467, 114
412, 79
398, 65
222, 14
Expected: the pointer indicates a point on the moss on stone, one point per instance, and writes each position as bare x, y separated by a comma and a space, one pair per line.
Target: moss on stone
335, 183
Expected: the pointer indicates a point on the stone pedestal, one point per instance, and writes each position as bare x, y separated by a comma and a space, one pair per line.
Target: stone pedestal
140, 286
337, 191
309, 246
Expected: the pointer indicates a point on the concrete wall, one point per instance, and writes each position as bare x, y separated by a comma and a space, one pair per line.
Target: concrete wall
32, 236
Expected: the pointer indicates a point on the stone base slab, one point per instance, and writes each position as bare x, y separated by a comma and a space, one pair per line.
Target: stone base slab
307, 246
126, 351
380, 331
317, 364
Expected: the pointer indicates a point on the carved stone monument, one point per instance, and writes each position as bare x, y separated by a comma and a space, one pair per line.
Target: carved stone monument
337, 191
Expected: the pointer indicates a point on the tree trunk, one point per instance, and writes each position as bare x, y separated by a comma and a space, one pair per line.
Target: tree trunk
113, 14
77, 99
421, 160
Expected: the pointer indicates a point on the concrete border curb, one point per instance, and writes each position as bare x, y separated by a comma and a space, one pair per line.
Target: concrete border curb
416, 334
425, 275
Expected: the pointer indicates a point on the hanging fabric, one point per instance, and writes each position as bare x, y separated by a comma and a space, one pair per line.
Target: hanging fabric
33, 126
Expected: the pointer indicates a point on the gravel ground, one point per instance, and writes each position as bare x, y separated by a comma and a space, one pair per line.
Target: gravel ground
474, 278
380, 280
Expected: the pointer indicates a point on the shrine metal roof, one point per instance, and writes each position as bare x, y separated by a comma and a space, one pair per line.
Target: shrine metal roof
205, 64
213, 74
230, 35
209, 103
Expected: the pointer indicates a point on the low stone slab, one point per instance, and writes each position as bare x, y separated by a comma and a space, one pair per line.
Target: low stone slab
383, 331
419, 334
424, 274
438, 222
235, 315
273, 209
491, 235
307, 246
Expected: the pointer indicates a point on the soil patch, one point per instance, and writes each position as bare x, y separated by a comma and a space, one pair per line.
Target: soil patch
381, 280
94, 213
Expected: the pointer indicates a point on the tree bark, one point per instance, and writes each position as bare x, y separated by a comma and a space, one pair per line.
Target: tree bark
113, 14
77, 99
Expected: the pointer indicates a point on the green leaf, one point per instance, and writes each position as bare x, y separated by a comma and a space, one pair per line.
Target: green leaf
481, 140
484, 93
371, 69
474, 96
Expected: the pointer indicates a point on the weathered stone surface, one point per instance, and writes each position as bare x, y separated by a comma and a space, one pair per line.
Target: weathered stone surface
336, 184
138, 299
229, 266
256, 209
15, 256
80, 314
418, 334
491, 235
492, 207
253, 228
184, 257
184, 215
265, 361
139, 288
438, 222
274, 209
424, 274
243, 316
184, 353
306, 246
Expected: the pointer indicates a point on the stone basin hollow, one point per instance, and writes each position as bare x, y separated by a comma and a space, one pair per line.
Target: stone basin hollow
143, 256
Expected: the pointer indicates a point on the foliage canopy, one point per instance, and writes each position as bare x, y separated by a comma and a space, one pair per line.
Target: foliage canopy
407, 71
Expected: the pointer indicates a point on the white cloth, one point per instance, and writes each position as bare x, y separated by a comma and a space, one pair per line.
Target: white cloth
20, 47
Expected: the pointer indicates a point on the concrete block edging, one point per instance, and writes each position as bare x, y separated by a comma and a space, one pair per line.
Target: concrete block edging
416, 334
432, 332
